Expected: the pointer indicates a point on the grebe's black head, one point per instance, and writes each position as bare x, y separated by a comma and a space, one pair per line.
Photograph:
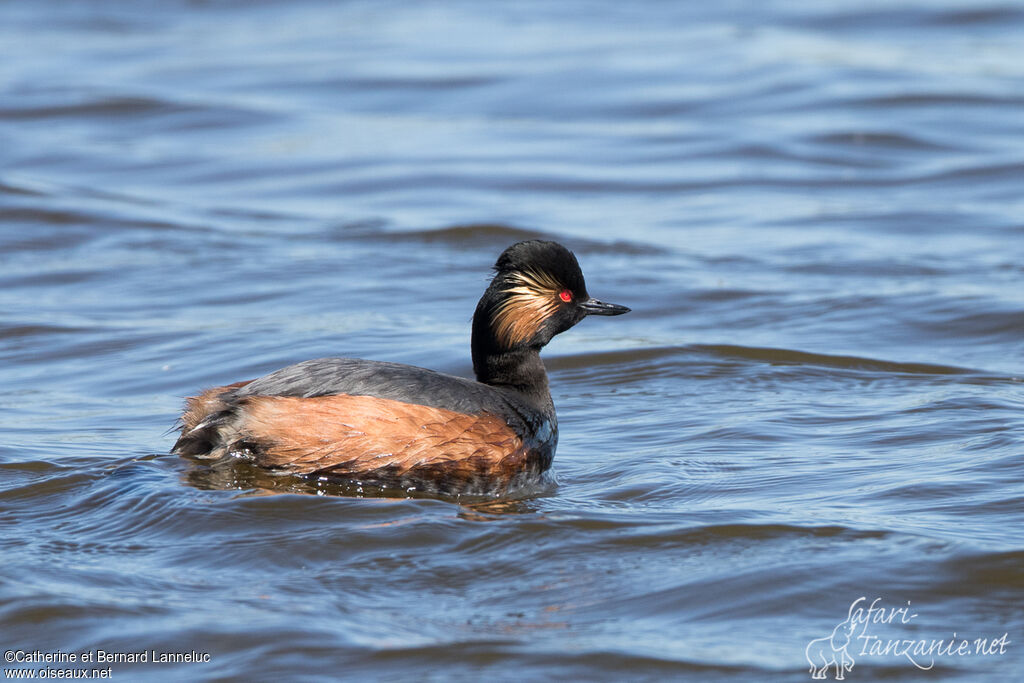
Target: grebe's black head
537, 292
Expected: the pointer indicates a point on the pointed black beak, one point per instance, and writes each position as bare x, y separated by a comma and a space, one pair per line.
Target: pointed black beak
594, 307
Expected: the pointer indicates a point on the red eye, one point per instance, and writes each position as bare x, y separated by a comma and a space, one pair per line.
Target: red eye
565, 295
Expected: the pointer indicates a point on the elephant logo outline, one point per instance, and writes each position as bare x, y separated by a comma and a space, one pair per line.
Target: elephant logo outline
831, 650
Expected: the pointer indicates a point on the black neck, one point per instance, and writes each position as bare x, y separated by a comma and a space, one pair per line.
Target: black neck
519, 368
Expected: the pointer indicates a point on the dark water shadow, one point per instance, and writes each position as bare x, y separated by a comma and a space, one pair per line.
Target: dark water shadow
239, 474
770, 356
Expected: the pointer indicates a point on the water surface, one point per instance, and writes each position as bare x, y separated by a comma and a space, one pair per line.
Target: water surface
813, 211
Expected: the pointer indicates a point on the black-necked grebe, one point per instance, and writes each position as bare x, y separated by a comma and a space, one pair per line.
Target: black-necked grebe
399, 426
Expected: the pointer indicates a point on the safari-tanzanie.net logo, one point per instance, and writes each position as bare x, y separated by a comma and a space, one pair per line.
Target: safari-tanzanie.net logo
874, 631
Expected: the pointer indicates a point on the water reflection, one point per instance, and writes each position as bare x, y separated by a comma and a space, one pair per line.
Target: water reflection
239, 474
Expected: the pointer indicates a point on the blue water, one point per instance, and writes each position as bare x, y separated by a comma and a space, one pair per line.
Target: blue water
814, 211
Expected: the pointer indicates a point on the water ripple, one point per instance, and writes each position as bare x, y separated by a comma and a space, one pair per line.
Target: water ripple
814, 213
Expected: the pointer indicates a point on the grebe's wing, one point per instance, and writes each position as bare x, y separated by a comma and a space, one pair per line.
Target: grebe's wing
395, 381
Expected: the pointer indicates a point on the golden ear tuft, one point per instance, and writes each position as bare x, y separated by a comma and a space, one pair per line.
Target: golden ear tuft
530, 299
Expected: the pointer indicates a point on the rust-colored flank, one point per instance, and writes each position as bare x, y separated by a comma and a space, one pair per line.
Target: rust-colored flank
350, 435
